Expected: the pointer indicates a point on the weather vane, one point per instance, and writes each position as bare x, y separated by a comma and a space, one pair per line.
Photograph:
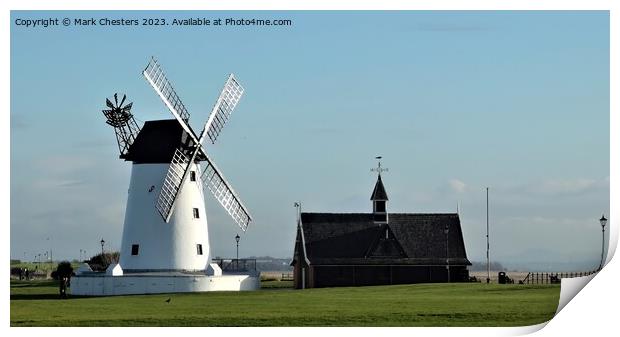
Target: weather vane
379, 169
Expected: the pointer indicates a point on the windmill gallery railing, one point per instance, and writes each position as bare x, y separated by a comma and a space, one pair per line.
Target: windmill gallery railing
552, 278
236, 265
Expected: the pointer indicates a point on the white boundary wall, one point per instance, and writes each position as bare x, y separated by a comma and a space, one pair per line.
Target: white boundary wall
100, 285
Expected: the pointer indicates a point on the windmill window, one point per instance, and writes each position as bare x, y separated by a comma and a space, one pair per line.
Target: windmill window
196, 213
199, 249
135, 249
192, 175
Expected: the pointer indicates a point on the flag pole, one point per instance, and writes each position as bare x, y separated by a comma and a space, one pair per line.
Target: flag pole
488, 259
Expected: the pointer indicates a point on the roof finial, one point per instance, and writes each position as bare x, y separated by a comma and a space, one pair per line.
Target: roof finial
379, 169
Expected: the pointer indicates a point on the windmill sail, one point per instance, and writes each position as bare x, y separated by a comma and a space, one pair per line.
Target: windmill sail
180, 165
224, 106
154, 74
223, 192
172, 184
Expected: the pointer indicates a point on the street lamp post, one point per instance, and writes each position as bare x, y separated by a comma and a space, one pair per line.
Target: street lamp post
237, 238
103, 259
446, 231
603, 221
488, 258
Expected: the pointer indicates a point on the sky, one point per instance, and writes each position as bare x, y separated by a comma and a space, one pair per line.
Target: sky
453, 101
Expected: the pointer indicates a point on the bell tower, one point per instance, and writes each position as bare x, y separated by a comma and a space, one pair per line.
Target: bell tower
379, 197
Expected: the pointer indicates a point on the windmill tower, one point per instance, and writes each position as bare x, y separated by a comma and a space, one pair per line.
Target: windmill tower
165, 227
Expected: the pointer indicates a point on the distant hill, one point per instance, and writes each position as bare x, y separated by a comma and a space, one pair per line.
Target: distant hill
268, 263
481, 266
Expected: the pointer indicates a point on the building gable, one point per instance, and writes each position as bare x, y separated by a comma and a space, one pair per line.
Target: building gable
386, 245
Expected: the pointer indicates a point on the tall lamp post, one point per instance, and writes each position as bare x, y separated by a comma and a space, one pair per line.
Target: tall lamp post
603, 221
446, 231
488, 259
103, 259
237, 238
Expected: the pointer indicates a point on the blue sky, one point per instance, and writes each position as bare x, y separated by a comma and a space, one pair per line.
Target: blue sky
453, 101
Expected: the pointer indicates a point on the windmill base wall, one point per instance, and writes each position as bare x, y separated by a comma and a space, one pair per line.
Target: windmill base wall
106, 285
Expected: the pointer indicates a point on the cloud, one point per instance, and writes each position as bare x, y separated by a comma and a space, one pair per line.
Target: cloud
447, 192
70, 183
65, 164
93, 143
457, 185
568, 186
538, 221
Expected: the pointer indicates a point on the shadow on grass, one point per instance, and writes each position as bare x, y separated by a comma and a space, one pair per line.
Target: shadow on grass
54, 296
35, 297
34, 284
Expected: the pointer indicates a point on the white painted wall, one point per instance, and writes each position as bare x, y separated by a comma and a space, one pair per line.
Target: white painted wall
142, 284
163, 246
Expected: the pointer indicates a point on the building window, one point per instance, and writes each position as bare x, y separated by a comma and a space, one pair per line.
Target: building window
199, 249
192, 175
135, 249
380, 206
196, 213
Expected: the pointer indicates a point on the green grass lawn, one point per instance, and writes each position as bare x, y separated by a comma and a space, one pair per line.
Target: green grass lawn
36, 303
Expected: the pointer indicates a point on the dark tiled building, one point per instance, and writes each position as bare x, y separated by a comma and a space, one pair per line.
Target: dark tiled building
358, 249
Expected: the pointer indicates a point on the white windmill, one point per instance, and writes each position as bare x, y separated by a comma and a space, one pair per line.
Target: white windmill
165, 228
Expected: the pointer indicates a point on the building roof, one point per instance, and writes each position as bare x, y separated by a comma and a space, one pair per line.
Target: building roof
379, 192
354, 238
157, 141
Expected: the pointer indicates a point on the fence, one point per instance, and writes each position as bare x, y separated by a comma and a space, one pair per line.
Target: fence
552, 278
287, 277
236, 265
